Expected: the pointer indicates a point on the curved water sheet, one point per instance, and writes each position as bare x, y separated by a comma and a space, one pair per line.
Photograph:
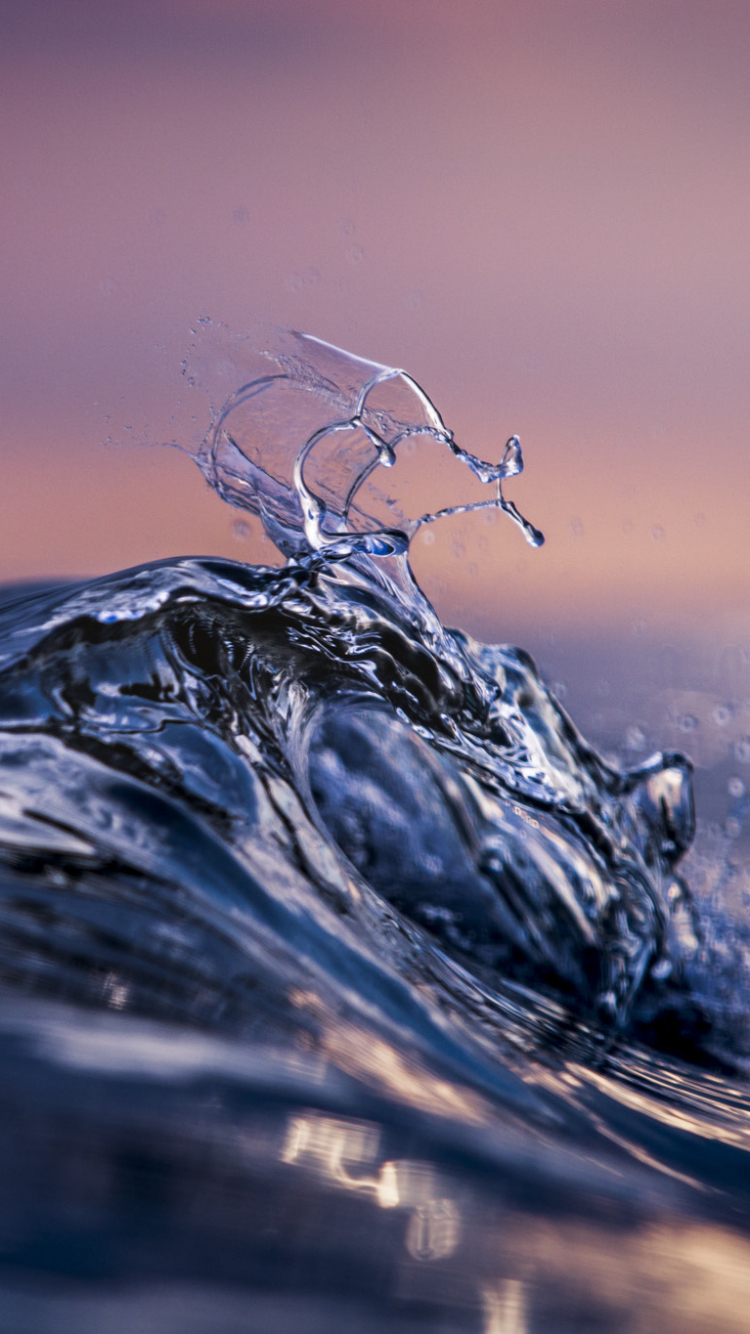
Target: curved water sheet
302, 434
344, 985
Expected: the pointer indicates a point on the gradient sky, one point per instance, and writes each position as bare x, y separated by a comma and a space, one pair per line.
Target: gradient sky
540, 208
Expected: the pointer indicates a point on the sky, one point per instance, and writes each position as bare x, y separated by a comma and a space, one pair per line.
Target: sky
539, 208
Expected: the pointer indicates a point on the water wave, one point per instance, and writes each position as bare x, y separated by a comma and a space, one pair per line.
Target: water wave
280, 833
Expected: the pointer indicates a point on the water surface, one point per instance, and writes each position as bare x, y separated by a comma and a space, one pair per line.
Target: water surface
345, 984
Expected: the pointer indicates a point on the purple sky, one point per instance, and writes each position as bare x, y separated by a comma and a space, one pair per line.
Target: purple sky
541, 210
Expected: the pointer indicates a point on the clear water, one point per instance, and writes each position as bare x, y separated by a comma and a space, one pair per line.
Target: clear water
345, 985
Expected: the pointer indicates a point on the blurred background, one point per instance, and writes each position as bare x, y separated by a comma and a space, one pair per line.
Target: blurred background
539, 208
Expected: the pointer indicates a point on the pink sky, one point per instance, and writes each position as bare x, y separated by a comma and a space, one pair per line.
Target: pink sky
541, 210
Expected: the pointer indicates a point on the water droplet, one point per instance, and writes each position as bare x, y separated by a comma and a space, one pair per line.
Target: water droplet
657, 533
635, 738
736, 787
511, 463
576, 527
687, 722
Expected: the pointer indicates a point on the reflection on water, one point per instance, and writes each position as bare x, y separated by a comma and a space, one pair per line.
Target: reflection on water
505, 1308
202, 1191
345, 986
337, 1147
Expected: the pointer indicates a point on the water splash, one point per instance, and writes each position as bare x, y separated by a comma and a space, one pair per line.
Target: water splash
438, 769
282, 834
299, 444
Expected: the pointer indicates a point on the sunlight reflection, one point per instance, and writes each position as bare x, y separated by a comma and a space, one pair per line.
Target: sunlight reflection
337, 1148
505, 1308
